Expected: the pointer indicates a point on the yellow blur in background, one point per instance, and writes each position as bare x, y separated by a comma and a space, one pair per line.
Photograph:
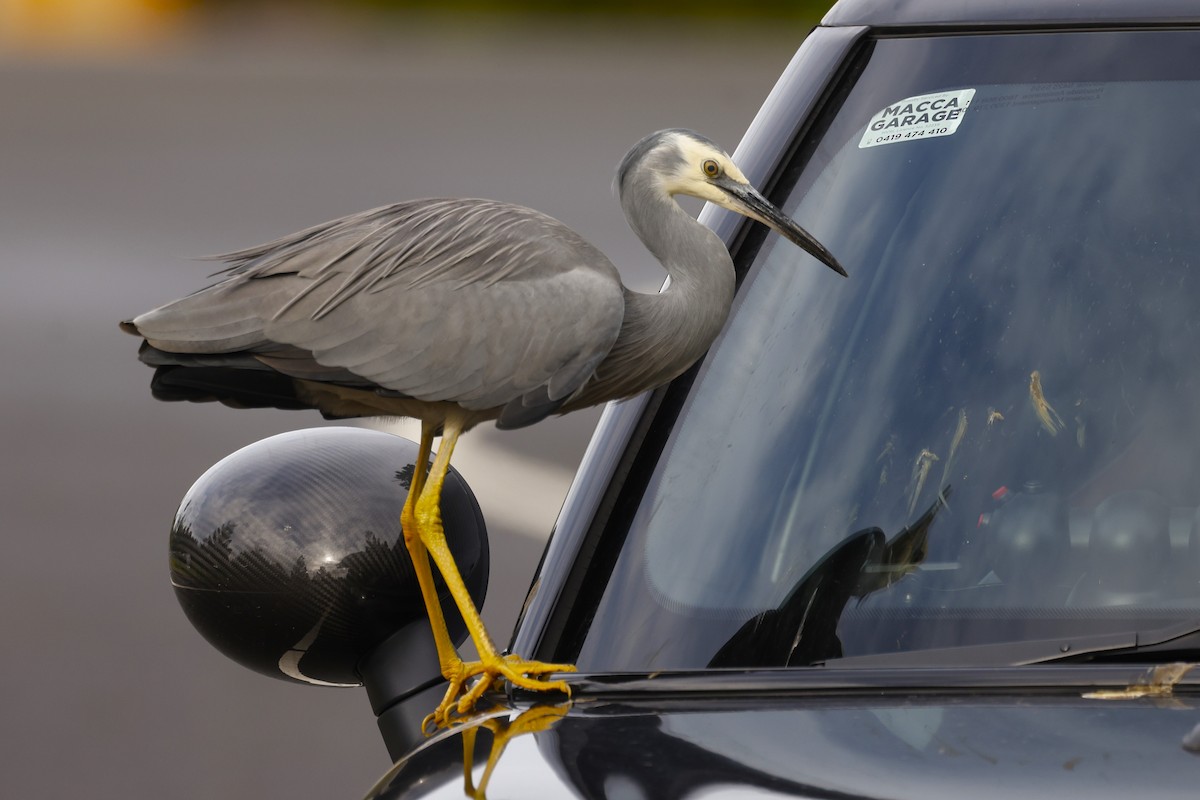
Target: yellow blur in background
58, 26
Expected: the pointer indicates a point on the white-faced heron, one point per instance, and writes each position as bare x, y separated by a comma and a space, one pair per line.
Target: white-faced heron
456, 312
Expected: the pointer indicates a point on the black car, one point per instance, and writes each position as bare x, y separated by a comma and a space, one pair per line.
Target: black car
929, 531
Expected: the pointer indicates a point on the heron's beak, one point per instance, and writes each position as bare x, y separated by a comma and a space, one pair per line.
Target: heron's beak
746, 200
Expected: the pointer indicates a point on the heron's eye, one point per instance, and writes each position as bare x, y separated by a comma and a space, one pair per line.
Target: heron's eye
711, 168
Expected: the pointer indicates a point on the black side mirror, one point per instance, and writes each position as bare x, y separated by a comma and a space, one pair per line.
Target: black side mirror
287, 556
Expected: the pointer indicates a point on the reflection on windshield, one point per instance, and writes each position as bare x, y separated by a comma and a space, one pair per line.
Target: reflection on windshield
1019, 325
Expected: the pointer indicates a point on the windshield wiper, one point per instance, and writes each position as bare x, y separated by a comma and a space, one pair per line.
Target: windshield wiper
1170, 643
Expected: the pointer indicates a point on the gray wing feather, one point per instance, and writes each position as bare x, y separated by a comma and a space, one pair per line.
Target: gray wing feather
470, 301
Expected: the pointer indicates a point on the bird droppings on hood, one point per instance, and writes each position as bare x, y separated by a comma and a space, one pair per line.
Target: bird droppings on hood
1157, 682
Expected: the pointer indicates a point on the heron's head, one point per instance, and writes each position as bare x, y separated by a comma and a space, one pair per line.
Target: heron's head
680, 161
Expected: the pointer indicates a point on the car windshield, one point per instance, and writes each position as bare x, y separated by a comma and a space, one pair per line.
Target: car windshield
988, 432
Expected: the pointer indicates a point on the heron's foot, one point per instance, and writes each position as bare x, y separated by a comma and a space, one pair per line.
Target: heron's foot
469, 681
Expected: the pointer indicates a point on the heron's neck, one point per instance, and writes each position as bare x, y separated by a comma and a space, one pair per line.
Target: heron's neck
664, 333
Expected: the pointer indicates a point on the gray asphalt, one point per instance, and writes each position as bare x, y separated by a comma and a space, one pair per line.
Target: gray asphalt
112, 173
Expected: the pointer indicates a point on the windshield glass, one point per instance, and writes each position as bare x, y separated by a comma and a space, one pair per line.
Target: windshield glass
987, 433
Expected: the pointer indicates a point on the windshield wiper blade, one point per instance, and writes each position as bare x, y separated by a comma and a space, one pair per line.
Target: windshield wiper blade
1157, 644
1169, 643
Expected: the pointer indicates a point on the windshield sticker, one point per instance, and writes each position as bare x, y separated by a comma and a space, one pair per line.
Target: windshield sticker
922, 117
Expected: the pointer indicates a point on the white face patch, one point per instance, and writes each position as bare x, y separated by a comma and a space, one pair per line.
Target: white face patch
691, 180
922, 117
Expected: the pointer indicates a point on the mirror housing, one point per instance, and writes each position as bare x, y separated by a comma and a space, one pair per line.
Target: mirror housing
287, 556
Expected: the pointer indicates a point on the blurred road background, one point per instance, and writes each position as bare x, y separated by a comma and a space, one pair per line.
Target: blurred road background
137, 134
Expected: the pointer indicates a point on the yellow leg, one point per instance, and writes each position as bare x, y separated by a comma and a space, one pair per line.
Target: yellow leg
491, 665
448, 658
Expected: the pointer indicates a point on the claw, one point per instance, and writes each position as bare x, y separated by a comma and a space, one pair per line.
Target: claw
460, 701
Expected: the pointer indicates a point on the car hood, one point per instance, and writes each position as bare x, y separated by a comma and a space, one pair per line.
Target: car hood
917, 744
